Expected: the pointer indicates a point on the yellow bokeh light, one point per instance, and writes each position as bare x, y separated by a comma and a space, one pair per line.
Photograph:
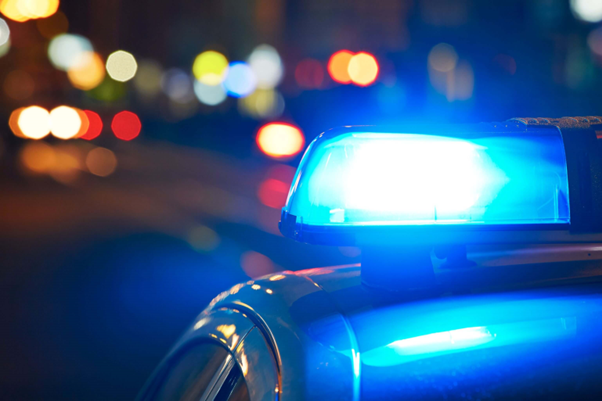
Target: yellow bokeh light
34, 122
121, 66
363, 69
88, 74
38, 8
12, 10
38, 157
280, 140
210, 68
101, 162
65, 122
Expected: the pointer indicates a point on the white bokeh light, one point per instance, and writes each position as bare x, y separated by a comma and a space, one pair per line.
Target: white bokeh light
267, 66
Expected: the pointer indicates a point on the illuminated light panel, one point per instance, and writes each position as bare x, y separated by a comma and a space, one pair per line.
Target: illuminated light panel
95, 126
101, 162
69, 51
18, 85
4, 32
255, 264
65, 122
309, 74
210, 68
280, 140
53, 26
587, 10
126, 125
363, 69
88, 74
121, 66
34, 122
38, 157
240, 80
338, 66
211, 95
364, 178
272, 193
263, 103
443, 58
147, 80
267, 66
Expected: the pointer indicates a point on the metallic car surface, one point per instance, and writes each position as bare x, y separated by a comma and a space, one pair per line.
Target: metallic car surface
322, 334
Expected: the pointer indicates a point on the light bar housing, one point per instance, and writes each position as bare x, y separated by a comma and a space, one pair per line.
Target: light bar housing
525, 180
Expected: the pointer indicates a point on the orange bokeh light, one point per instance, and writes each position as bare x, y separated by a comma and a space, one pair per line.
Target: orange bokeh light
338, 66
363, 69
126, 125
13, 123
95, 126
280, 140
89, 73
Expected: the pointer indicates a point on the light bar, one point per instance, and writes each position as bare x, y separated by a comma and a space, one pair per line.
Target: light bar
358, 179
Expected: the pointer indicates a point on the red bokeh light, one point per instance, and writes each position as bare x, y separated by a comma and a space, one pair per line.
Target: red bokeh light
95, 127
273, 193
126, 125
309, 74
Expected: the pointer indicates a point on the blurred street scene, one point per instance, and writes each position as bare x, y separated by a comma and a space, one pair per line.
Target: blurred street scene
147, 148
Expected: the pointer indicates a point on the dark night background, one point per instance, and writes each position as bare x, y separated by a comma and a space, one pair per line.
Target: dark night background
99, 275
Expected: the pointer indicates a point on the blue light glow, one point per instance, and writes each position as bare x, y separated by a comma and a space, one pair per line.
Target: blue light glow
363, 178
241, 80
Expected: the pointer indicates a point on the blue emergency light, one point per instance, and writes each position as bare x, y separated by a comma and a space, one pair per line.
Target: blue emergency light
526, 180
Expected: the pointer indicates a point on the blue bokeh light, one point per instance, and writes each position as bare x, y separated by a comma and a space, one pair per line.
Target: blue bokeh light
240, 81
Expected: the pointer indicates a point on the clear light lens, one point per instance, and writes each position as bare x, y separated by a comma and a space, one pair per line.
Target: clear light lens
365, 178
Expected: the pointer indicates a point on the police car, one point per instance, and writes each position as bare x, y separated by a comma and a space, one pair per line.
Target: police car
480, 276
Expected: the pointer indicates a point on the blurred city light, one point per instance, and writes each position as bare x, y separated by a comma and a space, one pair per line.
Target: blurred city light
443, 57
69, 51
338, 66
101, 162
12, 10
203, 238
34, 122
240, 80
210, 95
273, 193
210, 67
95, 126
18, 85
177, 85
34, 9
83, 117
255, 264
68, 164
89, 73
53, 26
126, 125
263, 103
4, 32
587, 10
363, 69
5, 48
148, 78
65, 122
280, 140
38, 157
121, 66
309, 74
13, 122
267, 66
